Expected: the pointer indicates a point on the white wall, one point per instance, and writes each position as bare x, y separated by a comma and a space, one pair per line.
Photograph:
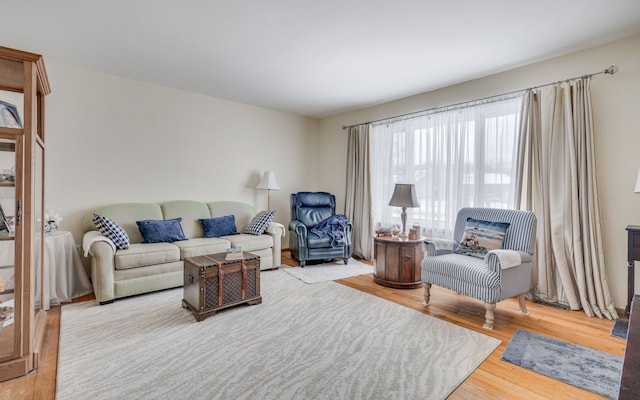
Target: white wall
616, 108
111, 140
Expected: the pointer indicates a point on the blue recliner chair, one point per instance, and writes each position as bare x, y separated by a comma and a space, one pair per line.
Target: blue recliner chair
308, 209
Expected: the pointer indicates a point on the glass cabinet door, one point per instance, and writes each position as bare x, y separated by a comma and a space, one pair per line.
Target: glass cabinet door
9, 292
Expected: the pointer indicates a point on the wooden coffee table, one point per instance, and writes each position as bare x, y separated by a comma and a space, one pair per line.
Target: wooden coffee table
212, 283
397, 262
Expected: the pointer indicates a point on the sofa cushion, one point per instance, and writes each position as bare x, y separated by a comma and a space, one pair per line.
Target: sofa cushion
250, 242
260, 222
201, 246
158, 231
190, 211
219, 226
316, 242
126, 215
111, 230
144, 254
242, 212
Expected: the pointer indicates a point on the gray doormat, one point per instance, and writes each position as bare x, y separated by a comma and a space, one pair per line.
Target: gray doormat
620, 328
579, 366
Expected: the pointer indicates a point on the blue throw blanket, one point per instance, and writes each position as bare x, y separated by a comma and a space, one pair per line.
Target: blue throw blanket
333, 226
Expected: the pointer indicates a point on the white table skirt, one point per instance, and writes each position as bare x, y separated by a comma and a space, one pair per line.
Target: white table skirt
63, 270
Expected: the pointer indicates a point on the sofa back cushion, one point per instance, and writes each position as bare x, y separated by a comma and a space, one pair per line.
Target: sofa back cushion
241, 211
190, 211
125, 215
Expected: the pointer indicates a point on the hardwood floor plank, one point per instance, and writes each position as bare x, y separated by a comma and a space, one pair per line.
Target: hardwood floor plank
494, 379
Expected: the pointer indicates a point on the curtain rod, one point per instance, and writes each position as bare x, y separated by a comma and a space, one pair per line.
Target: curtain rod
607, 71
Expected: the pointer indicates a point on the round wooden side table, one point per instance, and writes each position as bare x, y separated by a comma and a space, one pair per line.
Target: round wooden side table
397, 262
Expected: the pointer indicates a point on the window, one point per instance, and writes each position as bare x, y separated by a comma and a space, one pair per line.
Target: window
464, 156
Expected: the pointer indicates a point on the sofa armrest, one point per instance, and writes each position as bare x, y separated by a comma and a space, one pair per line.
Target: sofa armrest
276, 230
102, 252
92, 237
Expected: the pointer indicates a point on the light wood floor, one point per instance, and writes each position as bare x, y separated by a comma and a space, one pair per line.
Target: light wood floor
494, 379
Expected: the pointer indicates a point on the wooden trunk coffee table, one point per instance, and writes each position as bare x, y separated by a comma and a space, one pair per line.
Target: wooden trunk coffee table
397, 262
212, 283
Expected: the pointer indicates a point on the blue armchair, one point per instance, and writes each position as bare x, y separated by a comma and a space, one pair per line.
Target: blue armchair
308, 209
466, 266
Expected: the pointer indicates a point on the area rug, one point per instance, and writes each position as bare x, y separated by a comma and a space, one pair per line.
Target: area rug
322, 341
620, 328
329, 271
593, 370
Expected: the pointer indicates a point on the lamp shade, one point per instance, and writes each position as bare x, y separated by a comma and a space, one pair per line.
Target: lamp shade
268, 182
637, 189
404, 195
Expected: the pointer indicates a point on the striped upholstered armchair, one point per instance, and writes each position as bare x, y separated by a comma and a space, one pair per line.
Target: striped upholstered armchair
489, 257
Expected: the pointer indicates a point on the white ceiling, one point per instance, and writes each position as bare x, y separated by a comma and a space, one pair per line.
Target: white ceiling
311, 57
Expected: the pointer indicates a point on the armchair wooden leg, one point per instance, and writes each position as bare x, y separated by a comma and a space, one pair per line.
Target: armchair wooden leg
523, 306
488, 323
427, 294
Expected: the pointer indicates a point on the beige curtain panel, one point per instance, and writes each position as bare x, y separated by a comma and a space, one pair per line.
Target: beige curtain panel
358, 191
559, 185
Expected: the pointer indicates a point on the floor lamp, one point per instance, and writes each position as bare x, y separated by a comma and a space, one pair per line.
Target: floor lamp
404, 195
268, 183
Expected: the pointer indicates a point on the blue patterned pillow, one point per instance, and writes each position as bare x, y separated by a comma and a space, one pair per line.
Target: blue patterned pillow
481, 236
111, 230
219, 226
158, 231
260, 222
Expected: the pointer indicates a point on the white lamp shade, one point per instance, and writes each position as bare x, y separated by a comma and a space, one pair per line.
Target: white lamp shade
268, 182
637, 189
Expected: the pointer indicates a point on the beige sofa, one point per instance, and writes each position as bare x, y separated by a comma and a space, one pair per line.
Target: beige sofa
147, 267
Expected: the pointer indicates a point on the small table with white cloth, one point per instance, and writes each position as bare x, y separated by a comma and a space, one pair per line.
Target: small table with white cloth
63, 269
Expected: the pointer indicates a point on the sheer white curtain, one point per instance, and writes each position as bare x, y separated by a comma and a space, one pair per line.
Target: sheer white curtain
459, 156
559, 185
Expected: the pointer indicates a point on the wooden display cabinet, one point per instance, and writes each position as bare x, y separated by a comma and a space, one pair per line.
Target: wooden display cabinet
24, 84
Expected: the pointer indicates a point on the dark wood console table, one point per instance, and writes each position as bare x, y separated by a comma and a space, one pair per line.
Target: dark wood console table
633, 255
630, 384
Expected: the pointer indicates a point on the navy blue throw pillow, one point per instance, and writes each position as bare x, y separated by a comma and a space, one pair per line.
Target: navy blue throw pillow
158, 231
219, 226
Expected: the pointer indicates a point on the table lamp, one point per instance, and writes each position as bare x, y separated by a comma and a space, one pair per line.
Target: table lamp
268, 183
404, 195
